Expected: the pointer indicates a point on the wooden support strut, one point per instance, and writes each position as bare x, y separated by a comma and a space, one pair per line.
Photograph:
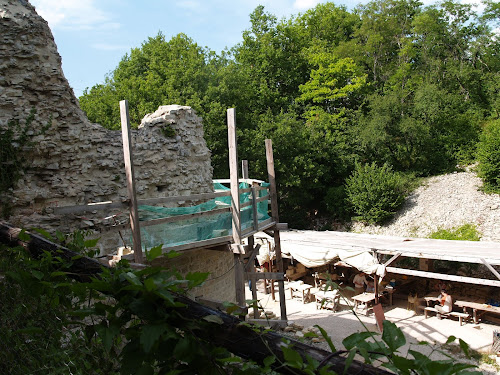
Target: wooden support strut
274, 212
235, 205
129, 171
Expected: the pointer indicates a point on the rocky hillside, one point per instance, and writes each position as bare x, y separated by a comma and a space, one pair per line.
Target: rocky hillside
444, 202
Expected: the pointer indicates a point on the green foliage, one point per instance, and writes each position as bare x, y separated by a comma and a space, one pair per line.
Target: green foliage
488, 154
376, 193
391, 82
16, 141
336, 202
466, 232
128, 322
36, 324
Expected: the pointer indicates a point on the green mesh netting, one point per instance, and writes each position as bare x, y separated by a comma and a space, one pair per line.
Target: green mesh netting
198, 228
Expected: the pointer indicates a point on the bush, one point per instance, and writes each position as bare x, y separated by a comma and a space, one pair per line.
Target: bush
376, 193
488, 155
466, 232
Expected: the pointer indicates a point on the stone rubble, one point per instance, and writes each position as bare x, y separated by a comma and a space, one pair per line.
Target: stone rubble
444, 202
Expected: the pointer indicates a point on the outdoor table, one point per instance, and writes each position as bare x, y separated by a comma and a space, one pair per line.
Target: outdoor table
369, 298
304, 288
429, 299
478, 309
365, 298
329, 299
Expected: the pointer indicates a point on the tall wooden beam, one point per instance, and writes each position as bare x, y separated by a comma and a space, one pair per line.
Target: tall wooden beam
129, 172
239, 279
274, 212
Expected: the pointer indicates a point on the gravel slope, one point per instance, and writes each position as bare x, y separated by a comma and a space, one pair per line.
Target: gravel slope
444, 201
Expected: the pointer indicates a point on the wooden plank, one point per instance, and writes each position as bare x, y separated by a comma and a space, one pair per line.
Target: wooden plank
249, 181
282, 226
172, 219
192, 197
466, 257
254, 210
97, 206
235, 204
274, 212
493, 271
440, 276
129, 172
102, 206
264, 275
394, 257
244, 169
199, 244
250, 265
253, 254
233, 171
263, 225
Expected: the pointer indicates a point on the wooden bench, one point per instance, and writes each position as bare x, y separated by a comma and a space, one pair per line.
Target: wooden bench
461, 316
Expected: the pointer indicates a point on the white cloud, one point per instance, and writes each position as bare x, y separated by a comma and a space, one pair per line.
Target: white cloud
305, 4
76, 15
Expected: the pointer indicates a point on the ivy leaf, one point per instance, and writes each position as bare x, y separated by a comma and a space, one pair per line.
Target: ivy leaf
393, 336
131, 278
107, 334
451, 339
37, 274
23, 236
350, 358
465, 347
292, 357
327, 338
355, 339
150, 335
91, 243
154, 252
196, 278
268, 361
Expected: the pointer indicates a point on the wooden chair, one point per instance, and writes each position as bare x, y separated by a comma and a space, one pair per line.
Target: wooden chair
412, 302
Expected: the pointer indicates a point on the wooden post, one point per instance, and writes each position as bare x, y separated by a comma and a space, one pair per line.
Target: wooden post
274, 212
235, 205
129, 172
244, 169
251, 245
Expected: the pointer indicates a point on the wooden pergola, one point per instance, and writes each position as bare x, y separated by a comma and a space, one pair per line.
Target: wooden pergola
480, 252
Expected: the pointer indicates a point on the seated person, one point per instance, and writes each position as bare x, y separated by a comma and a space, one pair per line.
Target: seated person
446, 303
370, 286
359, 282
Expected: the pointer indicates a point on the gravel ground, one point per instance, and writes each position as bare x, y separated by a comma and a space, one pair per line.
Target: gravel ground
444, 202
416, 328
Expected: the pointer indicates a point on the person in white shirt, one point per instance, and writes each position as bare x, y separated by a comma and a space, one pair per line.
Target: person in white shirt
359, 283
446, 302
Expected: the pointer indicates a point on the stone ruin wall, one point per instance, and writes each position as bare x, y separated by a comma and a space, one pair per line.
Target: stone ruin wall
76, 162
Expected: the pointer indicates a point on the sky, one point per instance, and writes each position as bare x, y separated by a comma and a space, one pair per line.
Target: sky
93, 35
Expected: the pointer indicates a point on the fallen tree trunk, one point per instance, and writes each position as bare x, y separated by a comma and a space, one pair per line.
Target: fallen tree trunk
238, 338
